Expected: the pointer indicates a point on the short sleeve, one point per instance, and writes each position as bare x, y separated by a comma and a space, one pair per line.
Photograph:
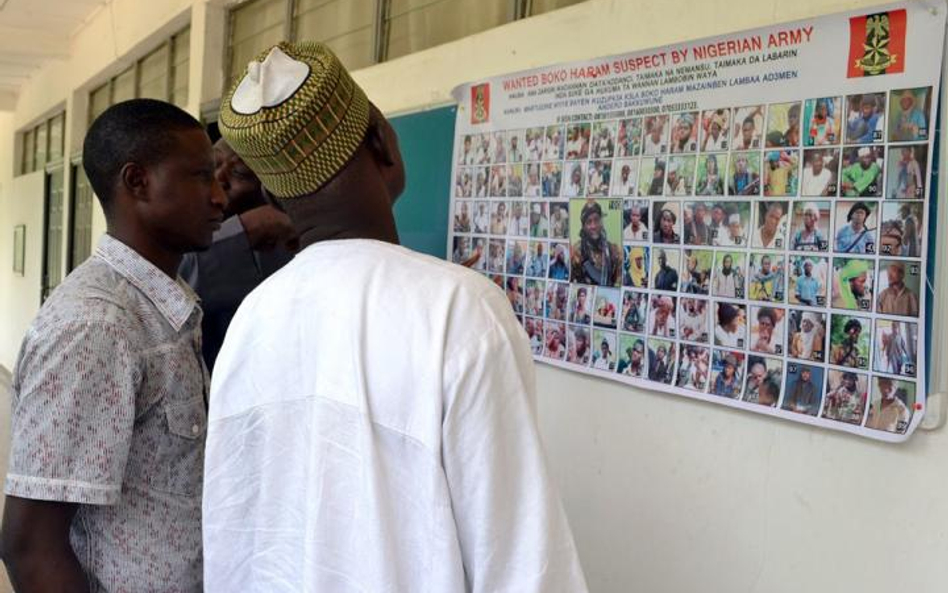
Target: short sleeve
73, 414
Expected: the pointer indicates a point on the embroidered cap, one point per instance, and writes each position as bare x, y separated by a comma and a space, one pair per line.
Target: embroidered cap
296, 117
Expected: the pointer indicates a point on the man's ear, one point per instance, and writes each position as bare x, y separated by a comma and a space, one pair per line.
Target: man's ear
134, 179
379, 142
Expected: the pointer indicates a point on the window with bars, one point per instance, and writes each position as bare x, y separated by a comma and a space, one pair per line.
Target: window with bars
364, 32
162, 74
42, 144
80, 231
53, 239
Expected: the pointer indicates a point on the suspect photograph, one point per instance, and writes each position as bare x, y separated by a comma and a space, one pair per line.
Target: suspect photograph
552, 179
852, 283
662, 355
898, 287
907, 172
599, 179
559, 262
856, 227
820, 176
514, 289
577, 141
729, 274
533, 297
555, 346
710, 171
538, 259
730, 325
518, 223
679, 180
624, 182
727, 373
850, 340
655, 141
498, 181
464, 183
865, 118
533, 185
804, 389
694, 368
766, 277
575, 185
665, 265
783, 125
515, 180
581, 300
764, 381
496, 256
891, 405
635, 269
578, 346
771, 222
767, 330
896, 348
861, 174
516, 256
604, 134
684, 132
634, 306
515, 146
557, 299
652, 177
533, 144
534, 329
747, 128
553, 141
730, 224
846, 393
715, 124
462, 216
694, 320
744, 174
809, 276
661, 319
596, 254
806, 335
696, 271
666, 222
606, 311
810, 226
559, 220
632, 356
901, 229
781, 173
698, 222
908, 114
635, 220
822, 121
629, 137
604, 350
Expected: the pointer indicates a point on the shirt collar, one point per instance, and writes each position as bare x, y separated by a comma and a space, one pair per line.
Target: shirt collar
173, 298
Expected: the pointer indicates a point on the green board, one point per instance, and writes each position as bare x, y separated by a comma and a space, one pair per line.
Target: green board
427, 140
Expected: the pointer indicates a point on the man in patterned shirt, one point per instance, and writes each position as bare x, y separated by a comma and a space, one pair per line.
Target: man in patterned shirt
109, 403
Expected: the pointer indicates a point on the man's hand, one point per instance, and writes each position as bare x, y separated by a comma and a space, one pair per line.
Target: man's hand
267, 227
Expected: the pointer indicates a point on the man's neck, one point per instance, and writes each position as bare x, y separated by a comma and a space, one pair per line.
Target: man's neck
166, 261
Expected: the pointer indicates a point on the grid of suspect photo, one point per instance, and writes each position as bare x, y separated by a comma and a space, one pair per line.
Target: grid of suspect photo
770, 254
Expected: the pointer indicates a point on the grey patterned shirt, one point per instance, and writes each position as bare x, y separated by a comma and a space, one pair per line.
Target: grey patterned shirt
109, 411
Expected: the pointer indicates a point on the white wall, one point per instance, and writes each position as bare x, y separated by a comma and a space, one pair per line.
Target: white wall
665, 495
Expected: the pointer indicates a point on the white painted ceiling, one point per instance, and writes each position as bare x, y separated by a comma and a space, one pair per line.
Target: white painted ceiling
33, 32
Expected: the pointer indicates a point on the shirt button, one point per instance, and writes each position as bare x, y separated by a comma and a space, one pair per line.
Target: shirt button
195, 429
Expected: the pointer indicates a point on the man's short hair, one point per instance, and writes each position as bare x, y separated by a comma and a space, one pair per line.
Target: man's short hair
140, 131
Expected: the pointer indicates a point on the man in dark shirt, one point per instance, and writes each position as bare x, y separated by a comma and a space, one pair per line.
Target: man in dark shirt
255, 240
